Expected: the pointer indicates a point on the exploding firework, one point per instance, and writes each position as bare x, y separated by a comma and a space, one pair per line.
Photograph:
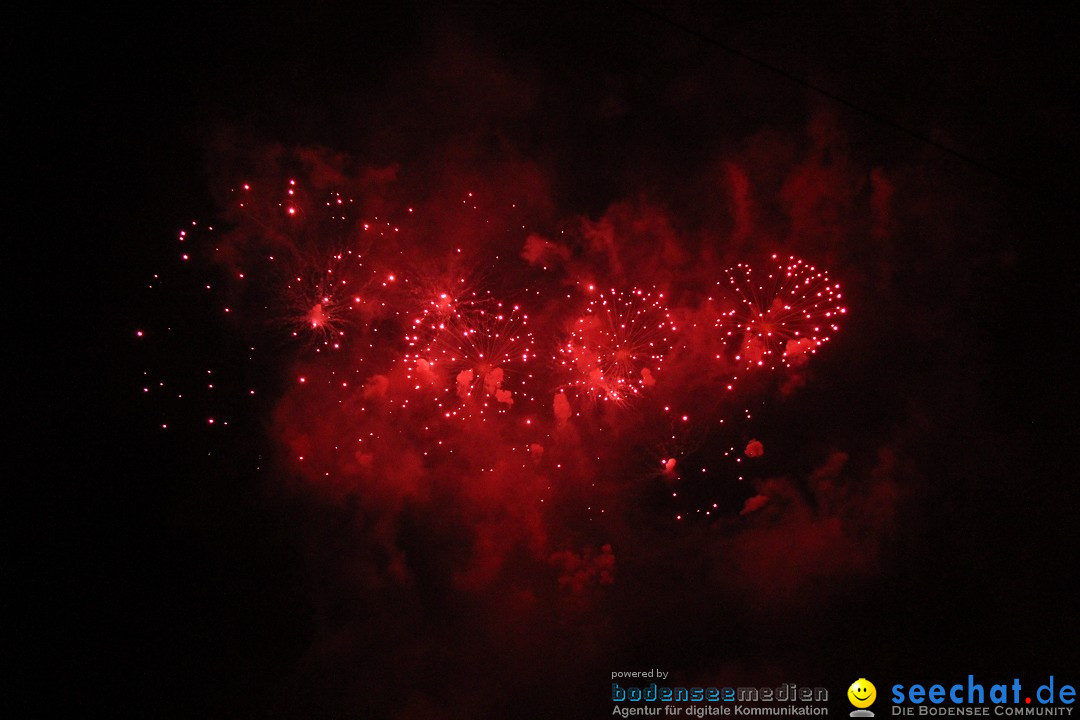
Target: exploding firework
301, 260
780, 315
443, 302
325, 298
482, 347
454, 291
616, 348
420, 343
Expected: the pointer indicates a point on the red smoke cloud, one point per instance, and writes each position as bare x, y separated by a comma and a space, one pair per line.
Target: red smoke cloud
491, 438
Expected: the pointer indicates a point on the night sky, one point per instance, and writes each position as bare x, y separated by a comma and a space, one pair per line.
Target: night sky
911, 517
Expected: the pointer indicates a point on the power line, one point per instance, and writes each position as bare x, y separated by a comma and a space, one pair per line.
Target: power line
873, 115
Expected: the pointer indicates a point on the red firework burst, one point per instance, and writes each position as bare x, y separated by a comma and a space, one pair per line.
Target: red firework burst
781, 314
483, 353
617, 346
326, 297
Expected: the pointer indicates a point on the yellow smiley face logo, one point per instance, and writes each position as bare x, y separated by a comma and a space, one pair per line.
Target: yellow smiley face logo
862, 693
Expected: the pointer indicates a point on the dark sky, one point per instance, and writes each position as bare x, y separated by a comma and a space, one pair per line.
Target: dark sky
165, 576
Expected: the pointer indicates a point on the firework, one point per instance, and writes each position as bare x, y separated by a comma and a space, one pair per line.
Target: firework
616, 347
483, 348
418, 346
782, 314
325, 298
302, 261
445, 304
